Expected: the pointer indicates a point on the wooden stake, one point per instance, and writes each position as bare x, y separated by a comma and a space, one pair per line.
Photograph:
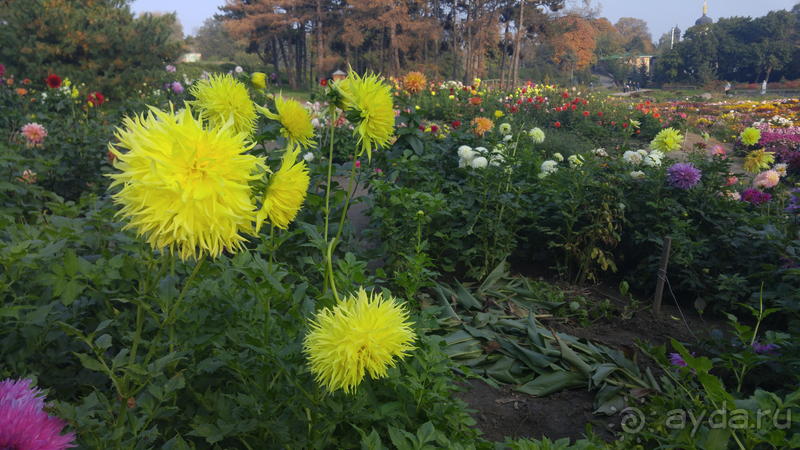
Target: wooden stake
662, 275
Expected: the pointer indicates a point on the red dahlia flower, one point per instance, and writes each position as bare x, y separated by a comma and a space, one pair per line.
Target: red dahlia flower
53, 81
558, 124
456, 124
96, 99
586, 114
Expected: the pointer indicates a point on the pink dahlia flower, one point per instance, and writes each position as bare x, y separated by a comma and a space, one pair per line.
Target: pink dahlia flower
177, 87
767, 179
34, 133
24, 426
718, 150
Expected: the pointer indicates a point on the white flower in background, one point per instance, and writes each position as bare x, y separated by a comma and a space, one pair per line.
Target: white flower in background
238, 69
308, 157
504, 128
780, 168
558, 157
548, 167
479, 163
601, 152
632, 158
315, 122
44, 95
462, 163
653, 159
508, 138
637, 175
642, 152
481, 150
537, 135
465, 152
496, 159
575, 160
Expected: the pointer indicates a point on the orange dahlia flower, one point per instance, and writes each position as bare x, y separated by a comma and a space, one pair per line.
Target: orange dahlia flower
482, 125
415, 82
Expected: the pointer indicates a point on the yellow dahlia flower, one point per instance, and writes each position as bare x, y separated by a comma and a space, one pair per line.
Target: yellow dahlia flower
296, 122
342, 94
758, 160
286, 190
482, 125
372, 100
258, 80
415, 82
184, 186
751, 136
667, 140
221, 97
363, 333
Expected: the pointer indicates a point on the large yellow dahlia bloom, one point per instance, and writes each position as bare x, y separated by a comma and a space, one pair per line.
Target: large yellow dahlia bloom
294, 119
415, 82
183, 186
667, 140
757, 160
750, 136
286, 190
363, 333
221, 97
373, 101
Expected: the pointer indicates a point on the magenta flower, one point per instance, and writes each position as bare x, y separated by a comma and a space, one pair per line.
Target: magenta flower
358, 164
683, 175
177, 87
2, 70
677, 360
755, 196
171, 69
23, 424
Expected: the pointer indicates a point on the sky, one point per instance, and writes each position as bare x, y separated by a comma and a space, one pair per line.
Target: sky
660, 15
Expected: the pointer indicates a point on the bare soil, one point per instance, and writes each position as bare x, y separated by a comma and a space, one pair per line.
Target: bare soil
502, 413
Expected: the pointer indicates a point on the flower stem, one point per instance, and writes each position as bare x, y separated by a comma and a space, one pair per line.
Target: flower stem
328, 190
171, 312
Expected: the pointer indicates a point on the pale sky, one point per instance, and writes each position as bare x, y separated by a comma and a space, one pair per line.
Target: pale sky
660, 15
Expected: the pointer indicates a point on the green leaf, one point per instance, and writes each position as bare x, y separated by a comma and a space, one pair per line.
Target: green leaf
71, 291
90, 363
70, 262
553, 382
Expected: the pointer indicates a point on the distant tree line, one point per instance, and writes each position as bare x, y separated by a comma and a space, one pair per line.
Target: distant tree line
736, 49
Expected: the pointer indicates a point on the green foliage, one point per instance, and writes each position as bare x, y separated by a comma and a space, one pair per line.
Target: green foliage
96, 42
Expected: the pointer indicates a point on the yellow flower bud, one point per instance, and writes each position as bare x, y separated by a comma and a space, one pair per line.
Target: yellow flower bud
258, 80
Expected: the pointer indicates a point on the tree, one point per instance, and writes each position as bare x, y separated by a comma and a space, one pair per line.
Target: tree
774, 48
630, 29
576, 39
213, 40
97, 42
176, 27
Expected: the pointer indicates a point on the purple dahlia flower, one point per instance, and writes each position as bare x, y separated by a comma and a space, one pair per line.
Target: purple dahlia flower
683, 175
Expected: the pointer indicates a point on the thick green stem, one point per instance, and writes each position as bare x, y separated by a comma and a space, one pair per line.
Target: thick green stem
346, 202
328, 191
170, 313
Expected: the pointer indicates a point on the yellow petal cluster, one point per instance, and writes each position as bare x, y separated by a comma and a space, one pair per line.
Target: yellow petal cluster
221, 98
373, 101
183, 186
750, 136
286, 191
362, 334
667, 140
294, 119
758, 160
